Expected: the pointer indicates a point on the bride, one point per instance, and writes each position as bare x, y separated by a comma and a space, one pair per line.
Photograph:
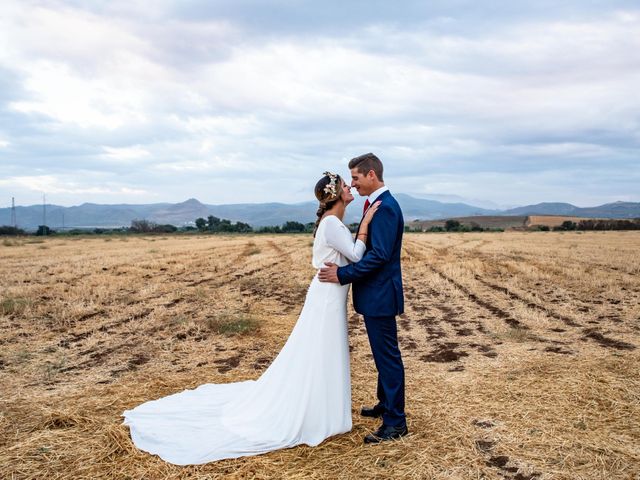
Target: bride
305, 394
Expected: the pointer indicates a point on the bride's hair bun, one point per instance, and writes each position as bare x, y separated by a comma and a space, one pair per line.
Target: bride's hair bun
327, 192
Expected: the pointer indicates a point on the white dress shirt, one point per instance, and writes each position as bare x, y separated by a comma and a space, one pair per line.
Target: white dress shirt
372, 198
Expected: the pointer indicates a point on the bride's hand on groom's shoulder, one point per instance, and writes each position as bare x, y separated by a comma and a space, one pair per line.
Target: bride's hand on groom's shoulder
371, 212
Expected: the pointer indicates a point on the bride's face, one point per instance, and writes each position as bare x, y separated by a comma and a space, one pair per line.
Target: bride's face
346, 196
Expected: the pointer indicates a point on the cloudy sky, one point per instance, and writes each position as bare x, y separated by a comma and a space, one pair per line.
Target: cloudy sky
250, 101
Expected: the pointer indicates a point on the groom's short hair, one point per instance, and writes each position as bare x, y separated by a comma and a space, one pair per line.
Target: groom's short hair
367, 162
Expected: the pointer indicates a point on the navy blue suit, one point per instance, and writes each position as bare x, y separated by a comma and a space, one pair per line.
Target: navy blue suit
377, 294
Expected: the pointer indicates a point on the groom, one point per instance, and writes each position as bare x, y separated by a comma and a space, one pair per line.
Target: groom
377, 294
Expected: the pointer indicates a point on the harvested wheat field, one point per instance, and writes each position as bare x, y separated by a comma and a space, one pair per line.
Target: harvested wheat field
522, 353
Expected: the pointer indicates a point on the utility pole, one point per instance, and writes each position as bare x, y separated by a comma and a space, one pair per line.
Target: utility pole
13, 213
44, 214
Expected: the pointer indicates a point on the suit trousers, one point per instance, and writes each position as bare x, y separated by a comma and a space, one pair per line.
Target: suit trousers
383, 338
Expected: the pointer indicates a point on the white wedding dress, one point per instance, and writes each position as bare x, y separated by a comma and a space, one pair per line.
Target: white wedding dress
302, 398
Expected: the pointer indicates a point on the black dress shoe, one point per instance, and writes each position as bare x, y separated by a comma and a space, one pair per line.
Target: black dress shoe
386, 432
375, 412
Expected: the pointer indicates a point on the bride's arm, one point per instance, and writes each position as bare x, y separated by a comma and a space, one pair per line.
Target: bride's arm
339, 238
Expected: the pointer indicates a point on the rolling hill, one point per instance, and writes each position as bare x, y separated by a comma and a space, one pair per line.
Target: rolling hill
608, 210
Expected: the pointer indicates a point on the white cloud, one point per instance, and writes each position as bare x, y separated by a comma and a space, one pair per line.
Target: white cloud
157, 97
62, 33
133, 152
222, 125
567, 150
52, 184
67, 97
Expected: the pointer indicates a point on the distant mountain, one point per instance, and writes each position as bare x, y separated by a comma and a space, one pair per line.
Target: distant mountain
543, 209
418, 208
609, 210
612, 210
91, 215
87, 215
179, 213
443, 198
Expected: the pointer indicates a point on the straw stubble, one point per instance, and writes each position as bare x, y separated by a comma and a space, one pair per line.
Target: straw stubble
521, 353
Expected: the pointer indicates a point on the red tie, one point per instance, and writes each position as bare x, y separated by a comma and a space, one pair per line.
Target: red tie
366, 205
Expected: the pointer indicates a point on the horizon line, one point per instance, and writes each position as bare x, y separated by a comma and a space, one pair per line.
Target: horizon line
308, 201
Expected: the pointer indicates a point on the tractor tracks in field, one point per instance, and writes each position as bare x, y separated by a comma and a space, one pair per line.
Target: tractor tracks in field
448, 332
496, 311
102, 351
592, 333
553, 265
528, 303
495, 289
78, 337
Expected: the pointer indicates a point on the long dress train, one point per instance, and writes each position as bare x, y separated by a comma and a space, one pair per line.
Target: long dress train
302, 398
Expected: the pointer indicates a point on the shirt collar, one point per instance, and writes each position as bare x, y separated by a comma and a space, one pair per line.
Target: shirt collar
377, 193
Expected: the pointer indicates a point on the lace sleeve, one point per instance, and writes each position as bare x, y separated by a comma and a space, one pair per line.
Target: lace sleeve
339, 237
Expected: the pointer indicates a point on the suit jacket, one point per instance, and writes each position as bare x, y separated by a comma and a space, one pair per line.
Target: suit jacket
377, 277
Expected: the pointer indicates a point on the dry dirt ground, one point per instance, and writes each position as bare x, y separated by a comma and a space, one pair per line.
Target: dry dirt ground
522, 353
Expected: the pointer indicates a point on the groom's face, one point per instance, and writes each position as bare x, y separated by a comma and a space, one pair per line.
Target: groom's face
363, 183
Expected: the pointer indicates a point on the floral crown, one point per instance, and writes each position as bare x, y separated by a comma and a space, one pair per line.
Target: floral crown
332, 186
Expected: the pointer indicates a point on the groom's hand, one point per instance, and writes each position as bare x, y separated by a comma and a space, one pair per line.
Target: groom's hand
329, 273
